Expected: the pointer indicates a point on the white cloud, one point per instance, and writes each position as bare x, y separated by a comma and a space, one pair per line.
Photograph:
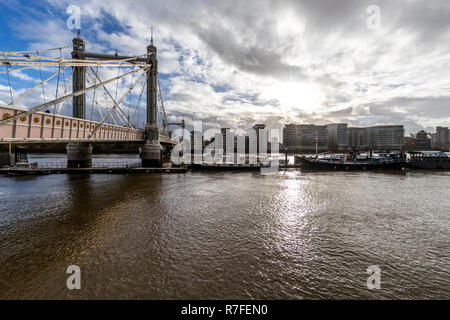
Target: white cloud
238, 62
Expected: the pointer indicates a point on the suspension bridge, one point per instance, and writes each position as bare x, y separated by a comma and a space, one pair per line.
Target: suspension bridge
98, 114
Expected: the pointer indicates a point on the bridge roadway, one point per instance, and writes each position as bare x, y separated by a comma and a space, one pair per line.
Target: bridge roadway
42, 127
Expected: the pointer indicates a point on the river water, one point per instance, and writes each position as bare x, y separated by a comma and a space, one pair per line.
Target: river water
292, 235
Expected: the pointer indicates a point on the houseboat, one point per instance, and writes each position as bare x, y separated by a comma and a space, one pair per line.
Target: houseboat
344, 162
429, 160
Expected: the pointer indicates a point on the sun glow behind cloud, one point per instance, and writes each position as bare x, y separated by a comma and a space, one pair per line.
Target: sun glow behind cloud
294, 95
233, 63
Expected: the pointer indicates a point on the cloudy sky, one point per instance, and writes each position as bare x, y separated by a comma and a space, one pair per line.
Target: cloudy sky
236, 63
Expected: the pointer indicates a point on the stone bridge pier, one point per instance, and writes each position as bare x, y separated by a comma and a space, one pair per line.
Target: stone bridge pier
79, 155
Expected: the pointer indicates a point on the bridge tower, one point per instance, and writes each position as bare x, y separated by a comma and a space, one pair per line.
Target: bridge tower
79, 155
152, 149
79, 78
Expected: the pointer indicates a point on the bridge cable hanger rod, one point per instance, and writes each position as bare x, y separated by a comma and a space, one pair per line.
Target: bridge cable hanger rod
43, 86
57, 82
113, 100
121, 115
165, 122
120, 100
139, 100
131, 95
97, 105
66, 89
93, 98
75, 94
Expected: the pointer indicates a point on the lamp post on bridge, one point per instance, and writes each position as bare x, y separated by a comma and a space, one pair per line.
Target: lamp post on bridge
152, 149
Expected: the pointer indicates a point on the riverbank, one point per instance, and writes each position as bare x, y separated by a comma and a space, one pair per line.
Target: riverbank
42, 171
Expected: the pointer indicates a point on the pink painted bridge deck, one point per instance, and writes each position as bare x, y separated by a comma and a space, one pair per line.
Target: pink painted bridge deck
47, 127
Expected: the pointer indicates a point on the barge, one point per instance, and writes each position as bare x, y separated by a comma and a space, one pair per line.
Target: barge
387, 162
429, 160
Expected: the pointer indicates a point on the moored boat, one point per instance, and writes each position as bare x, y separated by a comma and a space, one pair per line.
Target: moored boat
429, 160
25, 169
342, 164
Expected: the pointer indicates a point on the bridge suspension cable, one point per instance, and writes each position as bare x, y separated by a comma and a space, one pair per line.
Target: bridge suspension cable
9, 81
33, 59
93, 100
65, 90
40, 73
57, 83
165, 126
29, 91
136, 109
51, 49
117, 104
19, 59
75, 94
111, 97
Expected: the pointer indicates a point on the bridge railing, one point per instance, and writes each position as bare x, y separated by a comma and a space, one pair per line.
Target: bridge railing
47, 127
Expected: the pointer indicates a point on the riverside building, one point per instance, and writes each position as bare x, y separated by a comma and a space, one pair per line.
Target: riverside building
339, 137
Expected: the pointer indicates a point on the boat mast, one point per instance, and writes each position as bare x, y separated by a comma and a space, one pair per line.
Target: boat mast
317, 146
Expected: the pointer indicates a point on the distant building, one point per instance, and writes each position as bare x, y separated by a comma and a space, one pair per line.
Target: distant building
227, 140
422, 141
291, 137
358, 138
198, 141
433, 139
383, 137
261, 136
387, 137
410, 142
442, 138
305, 137
338, 136
259, 126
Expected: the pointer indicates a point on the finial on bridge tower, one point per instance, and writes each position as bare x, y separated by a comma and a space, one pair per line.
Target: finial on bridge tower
151, 38
78, 34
